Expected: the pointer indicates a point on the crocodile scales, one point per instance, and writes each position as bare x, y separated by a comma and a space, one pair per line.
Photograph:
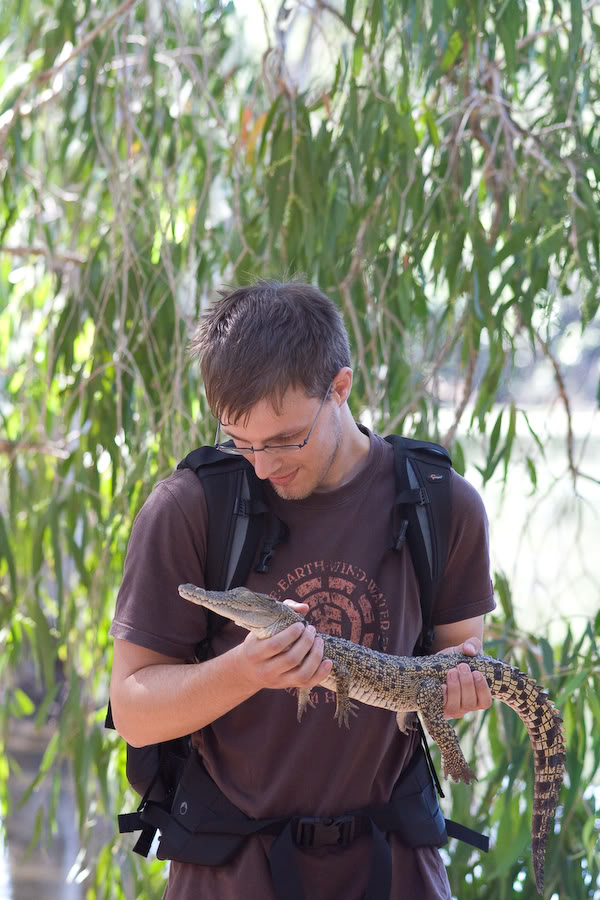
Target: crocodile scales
409, 685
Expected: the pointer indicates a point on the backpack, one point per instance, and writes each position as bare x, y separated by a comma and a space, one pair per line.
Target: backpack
242, 529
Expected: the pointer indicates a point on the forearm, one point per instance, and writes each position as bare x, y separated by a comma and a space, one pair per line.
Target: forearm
161, 702
456, 633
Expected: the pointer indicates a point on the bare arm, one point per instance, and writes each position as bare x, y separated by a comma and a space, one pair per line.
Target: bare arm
465, 691
157, 698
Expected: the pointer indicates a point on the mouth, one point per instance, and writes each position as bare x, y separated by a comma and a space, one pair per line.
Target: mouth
284, 479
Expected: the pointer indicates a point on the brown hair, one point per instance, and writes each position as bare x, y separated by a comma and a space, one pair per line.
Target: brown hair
260, 340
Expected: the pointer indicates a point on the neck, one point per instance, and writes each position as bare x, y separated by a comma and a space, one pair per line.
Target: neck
350, 456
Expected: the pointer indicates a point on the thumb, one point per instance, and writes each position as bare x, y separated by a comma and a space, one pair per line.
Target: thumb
471, 647
301, 608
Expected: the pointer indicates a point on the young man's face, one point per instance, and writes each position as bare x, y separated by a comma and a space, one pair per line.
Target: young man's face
294, 474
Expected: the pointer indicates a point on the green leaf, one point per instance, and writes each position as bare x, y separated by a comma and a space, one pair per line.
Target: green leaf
357, 55
458, 458
570, 687
591, 303
510, 437
533, 433
454, 47
547, 655
576, 30
502, 589
531, 471
349, 12
7, 554
45, 642
431, 127
495, 436
36, 831
57, 556
267, 126
50, 753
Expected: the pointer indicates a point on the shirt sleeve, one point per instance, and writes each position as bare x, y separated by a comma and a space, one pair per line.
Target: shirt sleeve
466, 589
167, 547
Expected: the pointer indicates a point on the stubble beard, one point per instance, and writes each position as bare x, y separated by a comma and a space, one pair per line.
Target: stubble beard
302, 492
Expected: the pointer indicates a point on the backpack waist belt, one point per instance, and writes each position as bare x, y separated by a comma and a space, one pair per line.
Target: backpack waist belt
203, 827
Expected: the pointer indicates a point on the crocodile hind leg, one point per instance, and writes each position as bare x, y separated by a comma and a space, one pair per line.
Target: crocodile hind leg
430, 703
407, 721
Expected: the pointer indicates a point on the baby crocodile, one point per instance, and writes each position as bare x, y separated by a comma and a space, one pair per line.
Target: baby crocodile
413, 684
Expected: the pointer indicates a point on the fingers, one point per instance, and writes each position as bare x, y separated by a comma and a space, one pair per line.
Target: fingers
312, 668
291, 658
280, 642
464, 692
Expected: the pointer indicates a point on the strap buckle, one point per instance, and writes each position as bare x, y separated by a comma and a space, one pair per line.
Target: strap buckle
320, 832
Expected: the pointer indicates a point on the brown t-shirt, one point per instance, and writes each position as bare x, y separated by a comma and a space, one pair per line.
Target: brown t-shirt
338, 560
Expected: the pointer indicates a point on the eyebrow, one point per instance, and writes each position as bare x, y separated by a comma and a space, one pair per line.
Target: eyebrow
275, 437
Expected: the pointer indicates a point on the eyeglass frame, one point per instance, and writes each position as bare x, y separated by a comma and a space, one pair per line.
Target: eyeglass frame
274, 448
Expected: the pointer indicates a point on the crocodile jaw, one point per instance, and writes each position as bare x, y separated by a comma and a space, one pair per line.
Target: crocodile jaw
255, 612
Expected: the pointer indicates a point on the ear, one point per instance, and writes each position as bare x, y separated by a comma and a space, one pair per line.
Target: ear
342, 385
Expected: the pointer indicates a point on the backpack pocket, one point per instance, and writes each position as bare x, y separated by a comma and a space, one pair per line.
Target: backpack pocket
203, 827
413, 812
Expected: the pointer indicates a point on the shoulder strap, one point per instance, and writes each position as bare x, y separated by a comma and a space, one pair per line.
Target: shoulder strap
238, 519
421, 517
236, 512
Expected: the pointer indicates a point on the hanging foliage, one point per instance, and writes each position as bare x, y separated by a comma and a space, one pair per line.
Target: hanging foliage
435, 167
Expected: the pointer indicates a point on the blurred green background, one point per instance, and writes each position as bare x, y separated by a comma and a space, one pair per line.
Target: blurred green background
435, 168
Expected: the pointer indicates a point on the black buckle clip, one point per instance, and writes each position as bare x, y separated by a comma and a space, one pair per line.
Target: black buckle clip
264, 560
399, 534
320, 832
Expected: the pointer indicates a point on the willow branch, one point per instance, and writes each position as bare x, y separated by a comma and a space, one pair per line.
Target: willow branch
562, 391
62, 258
47, 74
552, 29
321, 4
468, 390
48, 448
345, 290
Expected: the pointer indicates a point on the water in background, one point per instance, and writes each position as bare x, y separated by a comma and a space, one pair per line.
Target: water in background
546, 544
43, 873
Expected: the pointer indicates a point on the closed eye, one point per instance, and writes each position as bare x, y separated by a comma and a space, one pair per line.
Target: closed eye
273, 442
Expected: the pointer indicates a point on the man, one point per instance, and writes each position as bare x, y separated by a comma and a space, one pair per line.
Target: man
276, 369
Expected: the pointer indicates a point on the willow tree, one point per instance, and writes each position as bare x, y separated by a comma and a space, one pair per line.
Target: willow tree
435, 167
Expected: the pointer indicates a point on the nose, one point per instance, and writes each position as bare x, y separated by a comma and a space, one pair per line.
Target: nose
265, 464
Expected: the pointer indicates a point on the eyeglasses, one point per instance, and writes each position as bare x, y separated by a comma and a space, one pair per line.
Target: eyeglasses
230, 448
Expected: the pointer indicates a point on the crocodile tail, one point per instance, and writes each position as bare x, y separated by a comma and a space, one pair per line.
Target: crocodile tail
544, 726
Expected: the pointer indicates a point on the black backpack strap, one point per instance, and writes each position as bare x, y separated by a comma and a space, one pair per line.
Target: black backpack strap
205, 828
235, 508
421, 517
238, 517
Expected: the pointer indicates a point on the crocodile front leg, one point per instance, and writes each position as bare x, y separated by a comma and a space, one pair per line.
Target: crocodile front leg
430, 703
344, 707
304, 700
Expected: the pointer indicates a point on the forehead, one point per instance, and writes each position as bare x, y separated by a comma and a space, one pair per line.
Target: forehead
272, 416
